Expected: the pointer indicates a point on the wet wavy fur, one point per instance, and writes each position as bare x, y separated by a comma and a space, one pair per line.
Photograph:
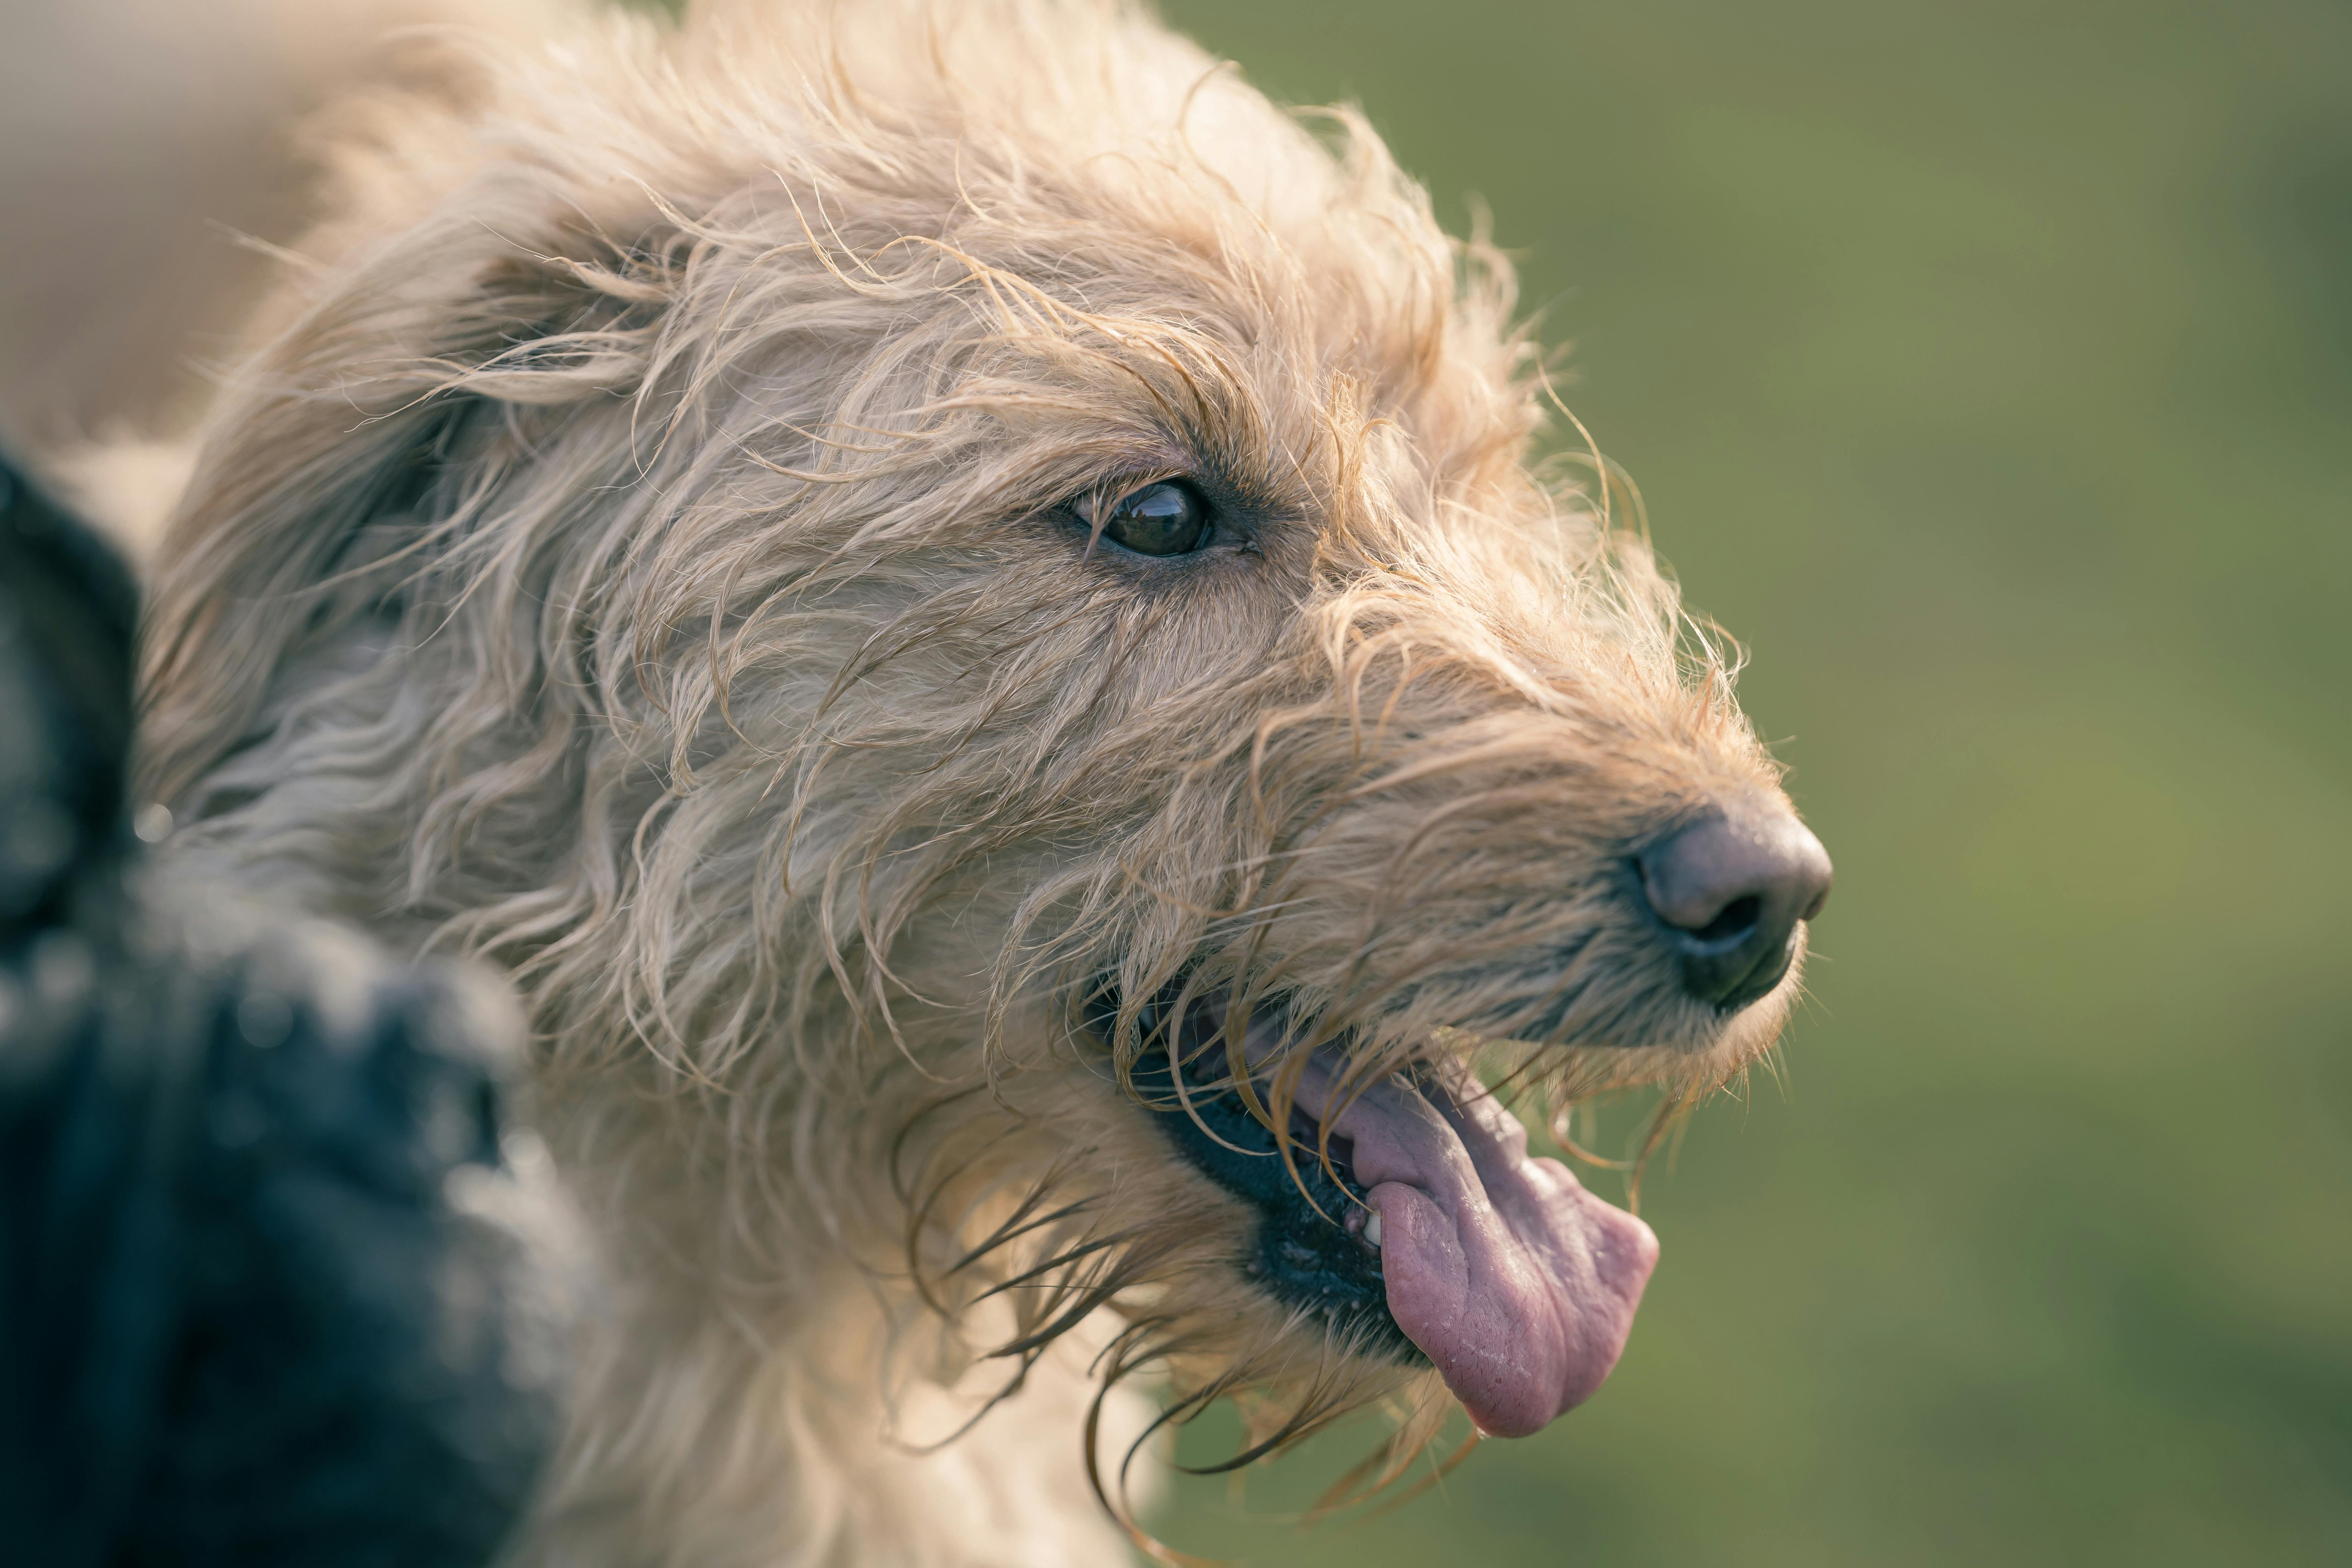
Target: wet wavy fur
638, 551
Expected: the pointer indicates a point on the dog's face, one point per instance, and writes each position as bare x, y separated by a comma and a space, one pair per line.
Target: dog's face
982, 603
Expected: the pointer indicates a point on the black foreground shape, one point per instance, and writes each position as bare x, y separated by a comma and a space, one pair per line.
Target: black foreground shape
1302, 1255
271, 1291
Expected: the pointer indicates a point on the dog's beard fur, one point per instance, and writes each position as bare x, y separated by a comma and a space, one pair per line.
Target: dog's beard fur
640, 550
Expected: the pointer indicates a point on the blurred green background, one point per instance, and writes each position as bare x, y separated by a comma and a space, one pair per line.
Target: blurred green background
1987, 368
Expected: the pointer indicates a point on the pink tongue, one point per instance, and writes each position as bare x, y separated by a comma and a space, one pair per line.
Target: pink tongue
1516, 1282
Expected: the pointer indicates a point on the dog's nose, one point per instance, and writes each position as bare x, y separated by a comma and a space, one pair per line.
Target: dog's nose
1729, 889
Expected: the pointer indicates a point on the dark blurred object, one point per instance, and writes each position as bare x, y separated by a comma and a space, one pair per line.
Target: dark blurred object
277, 1283
67, 612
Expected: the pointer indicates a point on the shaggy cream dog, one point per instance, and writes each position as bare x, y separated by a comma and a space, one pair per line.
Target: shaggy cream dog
960, 602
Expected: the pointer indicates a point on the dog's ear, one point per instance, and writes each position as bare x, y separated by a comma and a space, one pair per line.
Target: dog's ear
404, 390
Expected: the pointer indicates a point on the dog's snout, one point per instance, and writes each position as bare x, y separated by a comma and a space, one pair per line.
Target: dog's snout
1729, 890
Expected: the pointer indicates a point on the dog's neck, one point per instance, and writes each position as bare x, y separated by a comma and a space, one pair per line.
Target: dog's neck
795, 1427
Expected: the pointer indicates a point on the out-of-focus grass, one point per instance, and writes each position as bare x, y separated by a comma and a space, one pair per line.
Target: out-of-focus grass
1986, 369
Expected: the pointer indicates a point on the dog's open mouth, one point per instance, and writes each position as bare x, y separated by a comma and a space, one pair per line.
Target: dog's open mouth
1440, 1238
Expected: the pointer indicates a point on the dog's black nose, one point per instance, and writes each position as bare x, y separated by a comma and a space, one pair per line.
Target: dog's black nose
1729, 889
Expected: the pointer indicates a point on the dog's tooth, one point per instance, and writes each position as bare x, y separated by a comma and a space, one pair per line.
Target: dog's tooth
1372, 1230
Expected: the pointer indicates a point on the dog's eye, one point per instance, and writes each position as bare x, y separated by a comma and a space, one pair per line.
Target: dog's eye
1166, 519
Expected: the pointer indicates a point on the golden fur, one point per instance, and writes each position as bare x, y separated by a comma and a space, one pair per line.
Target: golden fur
636, 552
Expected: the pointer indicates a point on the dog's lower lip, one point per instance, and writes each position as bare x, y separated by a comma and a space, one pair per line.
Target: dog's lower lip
1307, 1250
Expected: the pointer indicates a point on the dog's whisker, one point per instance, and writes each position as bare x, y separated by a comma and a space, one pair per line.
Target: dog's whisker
1010, 1232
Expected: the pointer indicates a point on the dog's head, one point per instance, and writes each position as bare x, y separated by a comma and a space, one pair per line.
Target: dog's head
972, 596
